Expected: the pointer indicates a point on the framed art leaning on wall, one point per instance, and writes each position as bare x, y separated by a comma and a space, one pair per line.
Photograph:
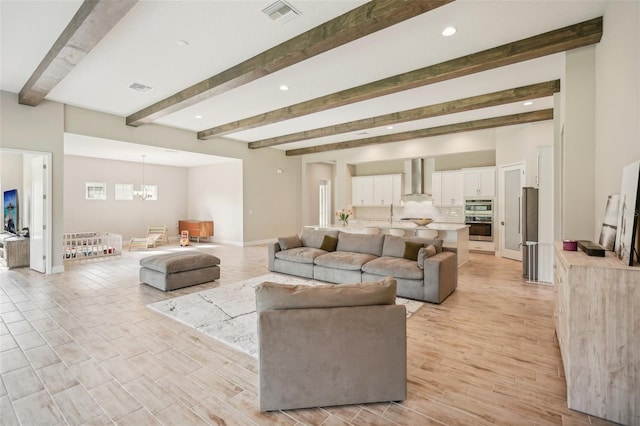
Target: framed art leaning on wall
627, 233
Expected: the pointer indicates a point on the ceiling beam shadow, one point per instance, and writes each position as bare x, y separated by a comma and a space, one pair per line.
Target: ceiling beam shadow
93, 20
560, 40
502, 97
468, 126
359, 22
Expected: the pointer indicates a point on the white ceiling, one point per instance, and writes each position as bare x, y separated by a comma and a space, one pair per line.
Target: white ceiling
143, 48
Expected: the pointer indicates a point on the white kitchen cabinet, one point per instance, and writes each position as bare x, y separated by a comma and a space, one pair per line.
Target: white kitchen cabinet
480, 182
376, 190
447, 188
362, 190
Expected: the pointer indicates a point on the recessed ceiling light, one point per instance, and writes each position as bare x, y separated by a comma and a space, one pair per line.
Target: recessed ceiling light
284, 87
527, 103
449, 31
199, 117
182, 43
389, 127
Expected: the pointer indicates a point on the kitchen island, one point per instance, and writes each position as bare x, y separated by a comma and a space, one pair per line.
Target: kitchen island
454, 235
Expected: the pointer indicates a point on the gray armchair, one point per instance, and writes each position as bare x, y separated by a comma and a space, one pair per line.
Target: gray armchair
330, 344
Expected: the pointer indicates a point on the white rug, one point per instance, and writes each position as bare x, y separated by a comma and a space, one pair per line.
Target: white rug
228, 313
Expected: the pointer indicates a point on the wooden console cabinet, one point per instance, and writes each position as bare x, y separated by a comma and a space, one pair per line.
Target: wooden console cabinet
597, 319
196, 228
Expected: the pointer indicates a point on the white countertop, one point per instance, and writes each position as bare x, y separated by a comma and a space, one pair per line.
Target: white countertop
437, 226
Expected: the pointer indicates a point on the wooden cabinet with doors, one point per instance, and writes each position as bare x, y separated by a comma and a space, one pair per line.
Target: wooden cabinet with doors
197, 228
376, 190
448, 188
480, 182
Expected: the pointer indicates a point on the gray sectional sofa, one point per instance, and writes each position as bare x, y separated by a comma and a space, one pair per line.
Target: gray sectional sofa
423, 269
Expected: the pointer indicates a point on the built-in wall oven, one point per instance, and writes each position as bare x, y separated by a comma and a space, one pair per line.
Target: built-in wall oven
479, 216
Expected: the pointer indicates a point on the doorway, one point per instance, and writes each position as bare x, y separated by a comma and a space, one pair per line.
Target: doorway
32, 178
512, 180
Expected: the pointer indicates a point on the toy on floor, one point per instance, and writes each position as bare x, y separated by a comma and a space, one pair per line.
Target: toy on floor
184, 238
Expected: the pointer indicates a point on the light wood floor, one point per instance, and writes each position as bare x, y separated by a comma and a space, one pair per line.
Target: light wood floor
81, 347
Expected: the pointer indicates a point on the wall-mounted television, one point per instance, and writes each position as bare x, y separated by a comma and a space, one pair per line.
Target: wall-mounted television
11, 212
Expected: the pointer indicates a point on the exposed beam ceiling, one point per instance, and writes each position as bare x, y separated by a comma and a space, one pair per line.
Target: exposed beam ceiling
93, 20
360, 22
502, 97
509, 120
563, 39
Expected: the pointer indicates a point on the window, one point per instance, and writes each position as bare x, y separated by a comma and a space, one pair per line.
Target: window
96, 191
124, 191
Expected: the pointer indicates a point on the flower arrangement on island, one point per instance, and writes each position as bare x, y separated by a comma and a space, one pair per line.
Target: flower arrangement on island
343, 216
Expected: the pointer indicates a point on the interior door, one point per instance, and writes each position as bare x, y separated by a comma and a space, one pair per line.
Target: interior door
37, 243
511, 183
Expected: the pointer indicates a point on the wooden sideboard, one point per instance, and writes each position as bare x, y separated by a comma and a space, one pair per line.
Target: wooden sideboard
14, 250
597, 319
196, 228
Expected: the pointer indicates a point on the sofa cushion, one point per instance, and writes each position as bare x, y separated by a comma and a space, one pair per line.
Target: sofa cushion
329, 243
411, 250
360, 243
300, 254
171, 263
271, 296
344, 260
313, 237
287, 243
394, 245
425, 253
396, 267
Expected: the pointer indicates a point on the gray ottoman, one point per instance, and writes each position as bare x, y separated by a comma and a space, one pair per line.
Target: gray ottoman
176, 270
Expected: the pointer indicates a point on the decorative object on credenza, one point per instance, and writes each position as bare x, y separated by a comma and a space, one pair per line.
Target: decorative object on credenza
627, 233
569, 245
591, 248
11, 211
610, 222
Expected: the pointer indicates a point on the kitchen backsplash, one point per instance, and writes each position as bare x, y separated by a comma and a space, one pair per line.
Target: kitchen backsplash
410, 209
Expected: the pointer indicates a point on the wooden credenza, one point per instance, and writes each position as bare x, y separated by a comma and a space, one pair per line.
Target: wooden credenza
14, 250
196, 228
597, 319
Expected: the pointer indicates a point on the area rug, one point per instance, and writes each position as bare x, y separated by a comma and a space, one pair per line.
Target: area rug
228, 313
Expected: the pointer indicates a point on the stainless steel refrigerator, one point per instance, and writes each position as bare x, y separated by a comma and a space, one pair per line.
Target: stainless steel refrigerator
530, 233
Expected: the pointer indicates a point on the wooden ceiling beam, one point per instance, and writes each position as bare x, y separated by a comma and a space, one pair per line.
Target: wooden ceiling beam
502, 97
560, 40
508, 120
359, 22
93, 20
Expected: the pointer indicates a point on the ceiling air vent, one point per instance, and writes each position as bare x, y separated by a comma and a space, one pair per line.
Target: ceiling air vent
281, 12
139, 87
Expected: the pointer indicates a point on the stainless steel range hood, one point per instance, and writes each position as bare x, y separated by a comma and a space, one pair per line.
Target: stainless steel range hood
417, 172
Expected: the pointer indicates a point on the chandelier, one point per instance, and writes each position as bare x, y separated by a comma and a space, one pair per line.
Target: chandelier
142, 193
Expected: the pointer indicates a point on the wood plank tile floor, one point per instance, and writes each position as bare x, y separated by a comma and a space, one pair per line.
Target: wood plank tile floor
81, 347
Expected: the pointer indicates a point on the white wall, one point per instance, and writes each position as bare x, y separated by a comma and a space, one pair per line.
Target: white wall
128, 218
617, 106
271, 201
214, 193
39, 129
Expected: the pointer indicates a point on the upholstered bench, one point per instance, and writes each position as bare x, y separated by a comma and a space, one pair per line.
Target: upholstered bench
177, 270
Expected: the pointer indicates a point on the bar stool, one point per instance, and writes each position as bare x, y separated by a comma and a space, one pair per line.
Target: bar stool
371, 230
426, 233
397, 232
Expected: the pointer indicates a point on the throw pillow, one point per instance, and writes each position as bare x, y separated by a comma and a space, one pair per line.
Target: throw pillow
425, 253
329, 243
287, 243
411, 250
